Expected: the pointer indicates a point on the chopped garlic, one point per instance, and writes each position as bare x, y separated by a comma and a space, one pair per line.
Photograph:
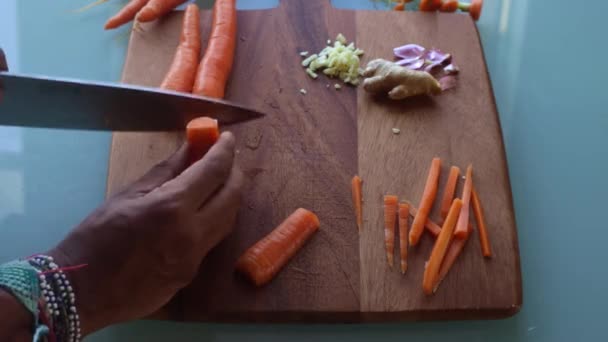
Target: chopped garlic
304, 53
396, 130
307, 61
340, 38
328, 42
311, 73
338, 60
303, 91
337, 86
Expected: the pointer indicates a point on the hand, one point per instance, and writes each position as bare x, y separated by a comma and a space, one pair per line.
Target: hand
147, 242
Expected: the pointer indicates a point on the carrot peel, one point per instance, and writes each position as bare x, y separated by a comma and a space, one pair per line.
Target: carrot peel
390, 215
261, 262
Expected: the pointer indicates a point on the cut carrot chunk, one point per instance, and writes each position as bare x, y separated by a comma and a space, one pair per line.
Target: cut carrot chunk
201, 134
390, 217
448, 192
462, 231
426, 203
404, 213
484, 240
454, 251
267, 257
357, 200
429, 225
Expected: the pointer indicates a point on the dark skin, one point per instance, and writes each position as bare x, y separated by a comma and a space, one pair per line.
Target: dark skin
145, 243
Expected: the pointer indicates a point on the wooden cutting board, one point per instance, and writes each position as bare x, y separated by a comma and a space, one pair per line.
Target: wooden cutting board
304, 153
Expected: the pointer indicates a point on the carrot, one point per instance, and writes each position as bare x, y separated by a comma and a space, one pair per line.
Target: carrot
475, 9
404, 212
430, 226
426, 203
214, 69
126, 14
448, 192
399, 7
357, 200
182, 72
463, 220
155, 9
484, 240
449, 6
429, 5
390, 213
201, 134
261, 262
440, 248
456, 247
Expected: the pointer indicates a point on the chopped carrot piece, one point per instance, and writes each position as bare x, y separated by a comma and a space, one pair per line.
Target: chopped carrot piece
390, 217
450, 189
201, 134
442, 243
261, 262
357, 200
461, 231
426, 203
484, 240
404, 213
430, 225
456, 247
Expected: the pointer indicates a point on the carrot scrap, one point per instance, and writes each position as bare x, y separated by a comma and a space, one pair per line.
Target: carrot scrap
449, 6
201, 134
450, 189
484, 240
214, 69
426, 203
262, 261
126, 14
390, 218
155, 9
429, 225
404, 212
357, 200
461, 231
182, 72
440, 248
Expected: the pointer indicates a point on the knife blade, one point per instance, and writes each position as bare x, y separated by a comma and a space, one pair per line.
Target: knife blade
50, 102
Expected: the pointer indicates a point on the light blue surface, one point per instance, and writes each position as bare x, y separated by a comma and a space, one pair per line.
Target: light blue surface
546, 64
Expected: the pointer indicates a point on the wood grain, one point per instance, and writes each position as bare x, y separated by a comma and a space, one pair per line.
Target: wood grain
304, 153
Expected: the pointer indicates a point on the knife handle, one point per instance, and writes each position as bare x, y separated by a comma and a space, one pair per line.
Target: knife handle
3, 63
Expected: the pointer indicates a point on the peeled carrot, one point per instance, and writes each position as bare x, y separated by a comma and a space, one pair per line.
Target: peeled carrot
155, 9
390, 217
126, 14
462, 231
357, 200
261, 262
426, 203
404, 213
182, 72
449, 6
214, 69
484, 240
448, 192
475, 9
440, 248
201, 134
429, 5
454, 250
430, 226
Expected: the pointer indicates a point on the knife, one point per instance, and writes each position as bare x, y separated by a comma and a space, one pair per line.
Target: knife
50, 102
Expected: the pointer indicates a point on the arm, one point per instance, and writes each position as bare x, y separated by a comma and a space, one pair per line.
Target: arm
15, 320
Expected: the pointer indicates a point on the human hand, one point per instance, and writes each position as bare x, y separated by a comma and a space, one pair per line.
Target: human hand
147, 242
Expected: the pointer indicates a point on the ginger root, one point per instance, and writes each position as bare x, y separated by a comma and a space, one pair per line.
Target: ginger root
385, 76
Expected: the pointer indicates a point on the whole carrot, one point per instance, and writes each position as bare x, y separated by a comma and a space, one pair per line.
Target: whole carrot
404, 213
390, 217
267, 257
484, 240
201, 134
448, 192
126, 14
357, 200
462, 230
431, 272
426, 203
182, 72
214, 69
155, 9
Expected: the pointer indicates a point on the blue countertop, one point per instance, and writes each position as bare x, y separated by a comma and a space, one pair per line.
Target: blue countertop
554, 125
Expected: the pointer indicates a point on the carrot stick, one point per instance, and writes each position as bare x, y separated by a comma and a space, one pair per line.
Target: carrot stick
126, 14
430, 225
484, 240
456, 247
463, 220
214, 69
404, 212
261, 262
448, 192
390, 216
431, 271
155, 9
426, 203
357, 200
449, 6
201, 134
182, 72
